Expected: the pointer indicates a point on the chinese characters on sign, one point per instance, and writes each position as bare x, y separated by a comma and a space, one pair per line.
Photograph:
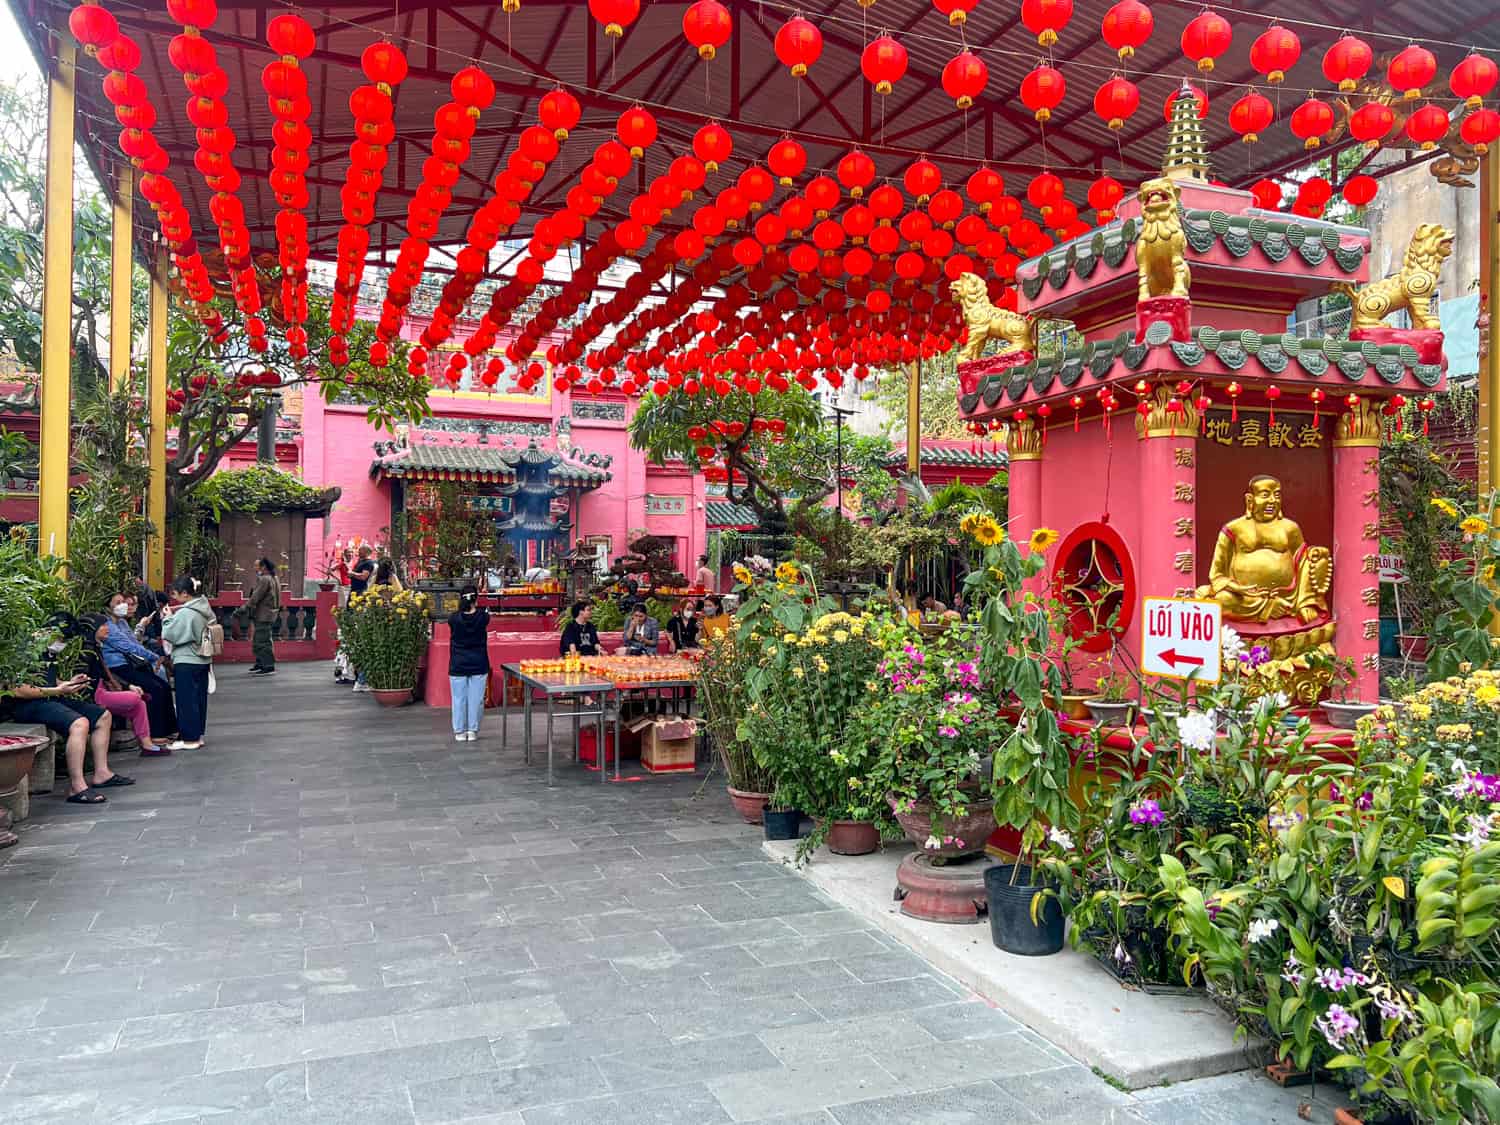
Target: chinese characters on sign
1182, 492
1183, 457
1257, 432
665, 505
1183, 526
499, 504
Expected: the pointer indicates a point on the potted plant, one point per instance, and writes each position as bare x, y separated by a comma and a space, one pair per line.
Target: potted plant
1070, 701
385, 633
1111, 705
932, 722
1464, 588
721, 691
1342, 711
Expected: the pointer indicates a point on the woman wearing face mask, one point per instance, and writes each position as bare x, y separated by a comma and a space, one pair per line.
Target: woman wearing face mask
683, 627
190, 618
133, 663
125, 701
468, 664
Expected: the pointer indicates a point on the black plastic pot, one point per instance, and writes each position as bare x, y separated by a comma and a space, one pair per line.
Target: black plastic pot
1011, 927
783, 824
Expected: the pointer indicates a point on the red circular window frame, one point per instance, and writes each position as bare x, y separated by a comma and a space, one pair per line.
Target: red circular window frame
1081, 546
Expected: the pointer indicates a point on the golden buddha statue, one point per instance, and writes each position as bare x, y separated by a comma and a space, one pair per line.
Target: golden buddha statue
1263, 570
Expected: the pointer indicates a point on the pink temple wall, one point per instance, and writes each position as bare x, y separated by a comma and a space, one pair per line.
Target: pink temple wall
337, 448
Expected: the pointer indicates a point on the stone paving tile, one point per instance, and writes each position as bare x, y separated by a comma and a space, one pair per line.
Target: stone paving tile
383, 937
674, 1105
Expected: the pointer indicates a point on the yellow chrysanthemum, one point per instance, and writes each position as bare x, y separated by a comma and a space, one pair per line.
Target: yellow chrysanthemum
1444, 506
987, 532
1042, 538
1486, 693
1473, 525
840, 635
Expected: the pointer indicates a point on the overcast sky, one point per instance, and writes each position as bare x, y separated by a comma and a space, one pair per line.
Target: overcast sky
15, 55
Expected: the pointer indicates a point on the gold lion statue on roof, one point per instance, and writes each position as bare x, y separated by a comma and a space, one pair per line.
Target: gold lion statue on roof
985, 321
1159, 252
1412, 288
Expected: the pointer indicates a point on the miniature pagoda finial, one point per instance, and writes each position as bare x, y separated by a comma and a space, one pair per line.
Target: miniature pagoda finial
1187, 155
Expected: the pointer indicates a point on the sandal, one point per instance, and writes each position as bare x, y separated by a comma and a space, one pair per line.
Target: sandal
87, 797
114, 781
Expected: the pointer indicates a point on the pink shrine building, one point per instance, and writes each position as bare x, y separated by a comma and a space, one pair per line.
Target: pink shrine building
1179, 384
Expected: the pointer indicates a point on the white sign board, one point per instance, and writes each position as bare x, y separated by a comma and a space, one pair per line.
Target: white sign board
1392, 569
1180, 639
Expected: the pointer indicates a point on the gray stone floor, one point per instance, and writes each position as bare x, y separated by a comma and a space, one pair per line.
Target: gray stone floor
333, 913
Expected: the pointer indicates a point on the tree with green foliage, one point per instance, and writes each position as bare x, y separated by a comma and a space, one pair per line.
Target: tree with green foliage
781, 452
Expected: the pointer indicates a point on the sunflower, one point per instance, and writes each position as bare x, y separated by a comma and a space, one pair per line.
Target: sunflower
786, 572
742, 575
1041, 539
969, 523
1473, 525
1444, 506
987, 532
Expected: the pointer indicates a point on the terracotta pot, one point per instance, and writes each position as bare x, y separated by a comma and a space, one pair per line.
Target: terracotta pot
751, 806
973, 829
392, 697
1347, 1117
852, 837
1072, 706
17, 756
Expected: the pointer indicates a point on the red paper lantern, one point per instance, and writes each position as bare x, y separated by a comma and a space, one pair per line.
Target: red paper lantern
798, 45
1044, 191
1427, 125
1472, 79
856, 172
1410, 70
883, 63
945, 207
1267, 194
957, 11
291, 35
711, 144
1198, 96
1116, 100
706, 25
1104, 193
1274, 52
193, 13
1346, 62
472, 89
93, 26
1310, 121
964, 78
1127, 26
922, 178
615, 15
120, 53
823, 195
1250, 115
1045, 18
1042, 90
1359, 190
558, 111
637, 130
1315, 190
383, 64
1371, 122
984, 187
1205, 38
786, 160
1480, 129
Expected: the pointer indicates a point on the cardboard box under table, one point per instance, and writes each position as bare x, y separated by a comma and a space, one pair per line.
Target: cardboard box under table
669, 745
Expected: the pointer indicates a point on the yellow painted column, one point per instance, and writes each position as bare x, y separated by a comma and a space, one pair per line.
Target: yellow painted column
1489, 378
120, 262
156, 442
914, 419
57, 308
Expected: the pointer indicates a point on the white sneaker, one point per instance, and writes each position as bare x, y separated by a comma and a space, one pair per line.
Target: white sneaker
363, 687
460, 737
472, 736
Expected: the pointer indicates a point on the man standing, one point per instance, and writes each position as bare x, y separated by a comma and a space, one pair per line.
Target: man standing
705, 579
262, 607
364, 569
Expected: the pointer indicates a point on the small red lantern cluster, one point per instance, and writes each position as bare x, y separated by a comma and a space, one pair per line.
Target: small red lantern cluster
291, 37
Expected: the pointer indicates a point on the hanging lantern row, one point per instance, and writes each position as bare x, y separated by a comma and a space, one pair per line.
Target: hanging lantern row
385, 66
291, 38
99, 33
192, 56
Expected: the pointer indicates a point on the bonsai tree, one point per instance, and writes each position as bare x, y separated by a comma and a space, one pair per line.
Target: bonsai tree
652, 555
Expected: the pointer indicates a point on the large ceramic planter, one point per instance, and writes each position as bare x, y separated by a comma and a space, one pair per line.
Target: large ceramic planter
750, 806
852, 837
1346, 715
782, 824
392, 697
17, 755
973, 828
1109, 713
1012, 926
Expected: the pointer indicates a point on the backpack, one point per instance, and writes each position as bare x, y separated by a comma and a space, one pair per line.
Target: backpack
211, 643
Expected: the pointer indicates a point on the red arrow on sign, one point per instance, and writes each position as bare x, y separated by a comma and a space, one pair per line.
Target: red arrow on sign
1173, 657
